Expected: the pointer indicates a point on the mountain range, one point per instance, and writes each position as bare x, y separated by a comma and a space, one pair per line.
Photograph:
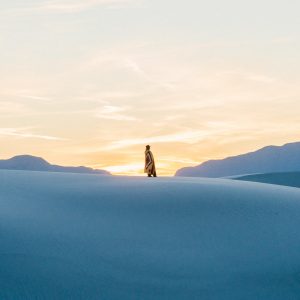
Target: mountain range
33, 163
270, 159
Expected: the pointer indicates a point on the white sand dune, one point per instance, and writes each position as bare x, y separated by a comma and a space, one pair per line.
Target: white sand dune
70, 236
285, 178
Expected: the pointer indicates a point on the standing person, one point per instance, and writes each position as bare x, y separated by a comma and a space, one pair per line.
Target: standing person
149, 163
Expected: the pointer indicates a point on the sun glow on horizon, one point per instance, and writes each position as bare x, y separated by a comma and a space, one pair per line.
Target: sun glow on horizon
130, 169
134, 169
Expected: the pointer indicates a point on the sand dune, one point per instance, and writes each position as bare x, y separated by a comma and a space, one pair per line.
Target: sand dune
71, 236
287, 178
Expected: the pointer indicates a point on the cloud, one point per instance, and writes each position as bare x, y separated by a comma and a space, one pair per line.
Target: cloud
21, 132
180, 137
66, 6
137, 61
25, 94
74, 6
180, 160
8, 108
284, 40
111, 112
262, 78
34, 97
135, 67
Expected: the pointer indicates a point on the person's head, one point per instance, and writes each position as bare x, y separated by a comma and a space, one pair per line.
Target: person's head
147, 147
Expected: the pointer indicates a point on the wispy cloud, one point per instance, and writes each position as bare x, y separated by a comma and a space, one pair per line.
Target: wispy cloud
135, 60
23, 133
262, 78
8, 108
66, 6
284, 40
180, 160
34, 97
25, 94
180, 137
114, 113
73, 6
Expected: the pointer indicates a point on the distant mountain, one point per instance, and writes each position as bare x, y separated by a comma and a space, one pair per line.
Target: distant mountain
33, 163
271, 159
287, 178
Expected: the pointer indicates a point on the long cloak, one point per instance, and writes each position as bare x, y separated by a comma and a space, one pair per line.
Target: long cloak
149, 163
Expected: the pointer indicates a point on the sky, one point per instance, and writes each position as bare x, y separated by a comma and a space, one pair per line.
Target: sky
92, 82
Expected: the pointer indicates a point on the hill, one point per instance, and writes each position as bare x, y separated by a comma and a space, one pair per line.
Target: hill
271, 159
69, 236
33, 163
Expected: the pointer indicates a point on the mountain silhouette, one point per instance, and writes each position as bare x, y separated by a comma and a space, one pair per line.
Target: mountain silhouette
269, 159
33, 163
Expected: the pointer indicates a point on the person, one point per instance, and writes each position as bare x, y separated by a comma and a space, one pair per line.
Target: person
149, 163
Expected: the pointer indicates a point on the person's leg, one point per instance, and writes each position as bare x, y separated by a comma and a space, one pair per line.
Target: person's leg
154, 175
149, 175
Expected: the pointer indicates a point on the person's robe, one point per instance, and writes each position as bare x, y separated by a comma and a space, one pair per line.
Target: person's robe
149, 163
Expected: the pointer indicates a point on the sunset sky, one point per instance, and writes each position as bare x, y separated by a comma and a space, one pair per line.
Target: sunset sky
91, 82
